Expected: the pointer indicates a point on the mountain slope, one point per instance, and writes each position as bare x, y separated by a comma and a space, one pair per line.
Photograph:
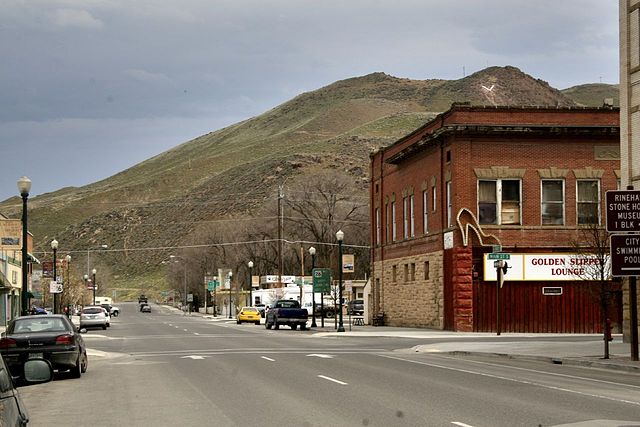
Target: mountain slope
234, 171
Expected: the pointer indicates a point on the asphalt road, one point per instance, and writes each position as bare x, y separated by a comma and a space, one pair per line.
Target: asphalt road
167, 369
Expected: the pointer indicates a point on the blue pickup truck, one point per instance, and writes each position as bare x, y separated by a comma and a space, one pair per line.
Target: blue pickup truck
286, 312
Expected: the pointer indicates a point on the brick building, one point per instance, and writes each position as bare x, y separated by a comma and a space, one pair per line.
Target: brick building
529, 179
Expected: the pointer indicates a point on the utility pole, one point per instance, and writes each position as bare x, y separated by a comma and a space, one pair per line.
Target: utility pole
280, 226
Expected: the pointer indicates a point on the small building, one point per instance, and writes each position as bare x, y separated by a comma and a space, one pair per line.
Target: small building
527, 181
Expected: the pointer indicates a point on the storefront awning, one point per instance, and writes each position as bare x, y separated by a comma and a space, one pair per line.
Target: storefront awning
32, 259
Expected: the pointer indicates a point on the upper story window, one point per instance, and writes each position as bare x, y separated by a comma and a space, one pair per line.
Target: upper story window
552, 203
405, 217
425, 212
412, 221
499, 201
588, 200
378, 225
394, 230
449, 204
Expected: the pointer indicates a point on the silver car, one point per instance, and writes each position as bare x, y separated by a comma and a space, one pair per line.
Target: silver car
93, 317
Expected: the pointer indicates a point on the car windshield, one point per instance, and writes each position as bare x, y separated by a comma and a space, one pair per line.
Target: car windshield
93, 310
40, 324
250, 309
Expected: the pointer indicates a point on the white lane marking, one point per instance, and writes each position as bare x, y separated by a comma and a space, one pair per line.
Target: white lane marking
194, 357
458, 423
186, 330
268, 358
332, 379
177, 327
195, 333
500, 377
321, 356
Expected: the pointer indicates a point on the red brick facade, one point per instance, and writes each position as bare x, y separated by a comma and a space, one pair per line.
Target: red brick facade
455, 151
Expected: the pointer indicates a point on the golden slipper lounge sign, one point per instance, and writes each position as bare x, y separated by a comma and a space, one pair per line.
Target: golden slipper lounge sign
536, 267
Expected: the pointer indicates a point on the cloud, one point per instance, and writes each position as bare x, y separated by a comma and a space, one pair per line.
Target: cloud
75, 18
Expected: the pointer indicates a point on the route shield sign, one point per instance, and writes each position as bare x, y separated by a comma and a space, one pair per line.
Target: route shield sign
321, 280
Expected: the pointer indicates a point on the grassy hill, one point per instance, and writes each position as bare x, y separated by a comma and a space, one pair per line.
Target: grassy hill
234, 172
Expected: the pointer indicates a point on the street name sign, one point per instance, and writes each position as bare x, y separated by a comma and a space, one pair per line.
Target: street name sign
623, 211
625, 255
498, 256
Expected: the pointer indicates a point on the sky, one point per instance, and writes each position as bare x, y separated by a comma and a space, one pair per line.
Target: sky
89, 88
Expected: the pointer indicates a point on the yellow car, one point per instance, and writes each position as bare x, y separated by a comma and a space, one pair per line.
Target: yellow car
248, 314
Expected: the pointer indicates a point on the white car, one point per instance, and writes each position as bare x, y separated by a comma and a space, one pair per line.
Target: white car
115, 311
93, 316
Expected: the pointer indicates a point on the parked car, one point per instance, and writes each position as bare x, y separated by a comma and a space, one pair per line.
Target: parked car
115, 311
261, 309
356, 307
53, 338
93, 316
14, 413
248, 314
286, 312
145, 308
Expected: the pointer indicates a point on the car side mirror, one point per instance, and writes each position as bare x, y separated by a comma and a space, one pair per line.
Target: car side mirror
36, 371
83, 330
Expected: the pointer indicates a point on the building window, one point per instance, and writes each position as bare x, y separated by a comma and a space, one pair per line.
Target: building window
377, 226
387, 226
412, 221
405, 217
14, 277
433, 199
394, 272
412, 272
406, 272
449, 205
588, 197
552, 205
394, 235
448, 156
425, 212
426, 270
499, 201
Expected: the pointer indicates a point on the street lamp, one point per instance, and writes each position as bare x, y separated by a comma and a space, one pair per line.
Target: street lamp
230, 274
89, 250
54, 246
24, 186
94, 285
340, 237
312, 252
66, 285
250, 265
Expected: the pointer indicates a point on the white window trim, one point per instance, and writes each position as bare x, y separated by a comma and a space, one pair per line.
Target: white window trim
377, 226
405, 217
599, 201
449, 204
564, 200
412, 230
425, 212
499, 199
393, 222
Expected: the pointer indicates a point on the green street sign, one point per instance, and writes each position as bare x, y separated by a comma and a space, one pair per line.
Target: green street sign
212, 285
321, 280
498, 256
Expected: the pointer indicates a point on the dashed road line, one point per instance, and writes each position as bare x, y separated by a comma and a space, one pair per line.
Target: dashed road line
332, 379
268, 358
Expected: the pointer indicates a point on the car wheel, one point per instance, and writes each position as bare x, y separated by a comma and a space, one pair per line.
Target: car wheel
294, 327
115, 314
85, 364
104, 327
275, 324
257, 323
329, 314
238, 322
76, 371
267, 325
303, 327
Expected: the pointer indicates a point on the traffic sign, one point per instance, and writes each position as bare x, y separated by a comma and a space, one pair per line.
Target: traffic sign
498, 256
55, 287
623, 210
212, 285
496, 248
625, 255
321, 280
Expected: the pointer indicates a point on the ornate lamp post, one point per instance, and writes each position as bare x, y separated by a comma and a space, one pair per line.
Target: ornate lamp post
66, 285
24, 186
340, 237
54, 246
95, 285
312, 252
230, 274
250, 265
